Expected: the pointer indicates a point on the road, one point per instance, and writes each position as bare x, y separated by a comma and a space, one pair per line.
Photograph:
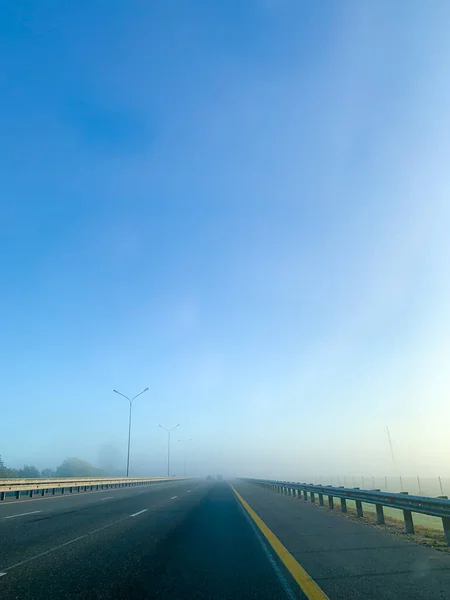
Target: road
170, 540
199, 540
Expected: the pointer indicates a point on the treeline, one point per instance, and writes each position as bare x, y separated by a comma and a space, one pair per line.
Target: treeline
70, 467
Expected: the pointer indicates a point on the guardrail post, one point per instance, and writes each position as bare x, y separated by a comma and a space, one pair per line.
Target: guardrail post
380, 514
18, 495
446, 526
409, 523
359, 508
2, 495
305, 495
71, 489
330, 502
43, 493
53, 491
343, 505
313, 498
289, 491
31, 493
320, 499
407, 515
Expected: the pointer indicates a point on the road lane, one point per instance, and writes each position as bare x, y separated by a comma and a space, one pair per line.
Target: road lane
26, 536
199, 545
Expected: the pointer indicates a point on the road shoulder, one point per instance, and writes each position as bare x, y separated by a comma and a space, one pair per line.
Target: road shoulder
350, 560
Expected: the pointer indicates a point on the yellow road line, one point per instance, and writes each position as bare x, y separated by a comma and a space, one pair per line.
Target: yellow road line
309, 587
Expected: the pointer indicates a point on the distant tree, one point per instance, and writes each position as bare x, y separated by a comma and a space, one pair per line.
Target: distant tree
48, 473
6, 473
75, 467
29, 471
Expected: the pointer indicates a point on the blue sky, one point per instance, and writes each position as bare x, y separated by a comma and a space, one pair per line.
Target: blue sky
241, 205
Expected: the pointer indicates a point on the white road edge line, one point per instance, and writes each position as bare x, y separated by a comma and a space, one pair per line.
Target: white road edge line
33, 512
173, 497
139, 513
108, 498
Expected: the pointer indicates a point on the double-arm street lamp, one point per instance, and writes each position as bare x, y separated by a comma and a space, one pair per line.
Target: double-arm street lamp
169, 431
130, 400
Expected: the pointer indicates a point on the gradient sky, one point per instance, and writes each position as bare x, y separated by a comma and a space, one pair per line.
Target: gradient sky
242, 205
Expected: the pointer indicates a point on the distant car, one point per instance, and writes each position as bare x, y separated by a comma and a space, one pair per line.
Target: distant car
219, 477
210, 477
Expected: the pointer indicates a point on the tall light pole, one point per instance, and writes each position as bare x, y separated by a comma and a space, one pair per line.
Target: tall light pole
130, 400
169, 431
185, 442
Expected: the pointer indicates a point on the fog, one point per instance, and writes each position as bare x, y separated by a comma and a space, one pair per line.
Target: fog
250, 218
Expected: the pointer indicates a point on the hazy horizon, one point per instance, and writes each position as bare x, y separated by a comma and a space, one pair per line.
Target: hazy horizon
242, 206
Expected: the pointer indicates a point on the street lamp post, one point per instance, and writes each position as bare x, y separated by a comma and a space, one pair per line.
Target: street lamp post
169, 431
185, 442
130, 400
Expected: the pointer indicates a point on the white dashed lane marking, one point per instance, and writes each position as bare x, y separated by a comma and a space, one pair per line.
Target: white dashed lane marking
173, 497
33, 512
139, 513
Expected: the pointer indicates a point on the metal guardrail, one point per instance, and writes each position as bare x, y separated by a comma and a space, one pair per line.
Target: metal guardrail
436, 507
43, 487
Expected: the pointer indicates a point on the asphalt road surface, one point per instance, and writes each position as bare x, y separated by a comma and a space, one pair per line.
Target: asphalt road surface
180, 540
197, 540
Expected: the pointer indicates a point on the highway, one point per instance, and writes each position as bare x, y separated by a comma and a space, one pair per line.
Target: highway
197, 539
